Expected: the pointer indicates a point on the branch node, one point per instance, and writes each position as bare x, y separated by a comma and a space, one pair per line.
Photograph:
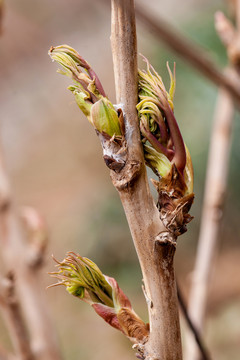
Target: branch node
127, 176
36, 234
166, 238
141, 352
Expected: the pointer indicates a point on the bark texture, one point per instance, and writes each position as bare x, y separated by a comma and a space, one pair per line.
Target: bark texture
154, 247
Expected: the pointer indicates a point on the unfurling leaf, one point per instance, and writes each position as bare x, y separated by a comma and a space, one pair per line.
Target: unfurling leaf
87, 90
162, 139
83, 279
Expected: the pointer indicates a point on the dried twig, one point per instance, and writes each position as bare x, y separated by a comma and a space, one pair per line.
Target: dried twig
36, 235
195, 332
15, 256
214, 197
155, 251
13, 318
193, 54
216, 182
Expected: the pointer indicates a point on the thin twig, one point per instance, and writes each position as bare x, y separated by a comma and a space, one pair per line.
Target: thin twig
215, 188
155, 255
214, 197
36, 234
14, 320
198, 339
14, 249
193, 54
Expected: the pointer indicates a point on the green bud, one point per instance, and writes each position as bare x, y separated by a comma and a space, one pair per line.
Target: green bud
68, 64
161, 136
83, 279
158, 162
171, 91
82, 99
72, 53
76, 290
188, 172
161, 166
105, 118
87, 90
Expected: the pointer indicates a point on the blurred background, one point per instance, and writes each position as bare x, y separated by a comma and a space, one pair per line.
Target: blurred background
55, 164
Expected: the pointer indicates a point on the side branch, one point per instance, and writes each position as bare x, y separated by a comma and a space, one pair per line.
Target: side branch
197, 336
193, 54
12, 314
214, 197
15, 253
216, 181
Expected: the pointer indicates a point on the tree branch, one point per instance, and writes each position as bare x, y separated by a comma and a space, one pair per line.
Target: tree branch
124, 52
197, 336
15, 255
193, 54
215, 186
13, 319
155, 251
214, 197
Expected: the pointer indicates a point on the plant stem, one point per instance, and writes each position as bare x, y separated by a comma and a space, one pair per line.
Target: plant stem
155, 254
198, 339
215, 189
214, 197
13, 318
195, 55
14, 248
